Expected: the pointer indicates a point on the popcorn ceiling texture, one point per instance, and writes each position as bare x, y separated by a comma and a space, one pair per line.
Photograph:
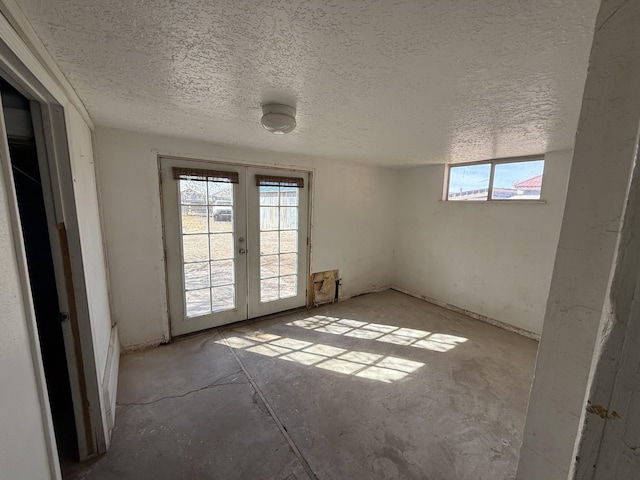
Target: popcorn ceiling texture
389, 83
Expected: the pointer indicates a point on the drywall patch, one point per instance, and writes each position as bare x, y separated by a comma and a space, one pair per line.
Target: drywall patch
324, 287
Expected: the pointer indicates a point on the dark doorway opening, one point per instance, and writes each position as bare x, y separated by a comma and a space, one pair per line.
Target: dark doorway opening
33, 219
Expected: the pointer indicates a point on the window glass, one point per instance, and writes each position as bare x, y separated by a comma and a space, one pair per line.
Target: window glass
278, 242
517, 180
207, 246
469, 182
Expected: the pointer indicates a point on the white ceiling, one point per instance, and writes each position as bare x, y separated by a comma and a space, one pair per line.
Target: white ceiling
401, 82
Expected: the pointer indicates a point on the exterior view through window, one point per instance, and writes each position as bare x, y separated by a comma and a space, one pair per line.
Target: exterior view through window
496, 180
278, 242
236, 241
207, 246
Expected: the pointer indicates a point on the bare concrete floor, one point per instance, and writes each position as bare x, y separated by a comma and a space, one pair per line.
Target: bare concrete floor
383, 386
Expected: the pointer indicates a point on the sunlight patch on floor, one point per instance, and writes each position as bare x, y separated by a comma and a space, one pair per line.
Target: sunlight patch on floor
437, 342
368, 365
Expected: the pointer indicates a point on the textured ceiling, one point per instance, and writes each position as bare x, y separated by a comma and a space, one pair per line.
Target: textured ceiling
401, 82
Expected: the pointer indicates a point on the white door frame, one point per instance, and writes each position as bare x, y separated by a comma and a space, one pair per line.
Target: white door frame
171, 218
235, 163
256, 308
59, 196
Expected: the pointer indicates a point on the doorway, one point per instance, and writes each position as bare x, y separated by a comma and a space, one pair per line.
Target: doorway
42, 278
236, 242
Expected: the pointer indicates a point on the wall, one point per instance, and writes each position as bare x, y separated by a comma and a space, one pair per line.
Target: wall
23, 450
24, 58
610, 437
380, 227
600, 171
93, 259
353, 211
96, 283
490, 259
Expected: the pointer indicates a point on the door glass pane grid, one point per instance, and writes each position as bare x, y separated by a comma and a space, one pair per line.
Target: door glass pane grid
206, 209
278, 242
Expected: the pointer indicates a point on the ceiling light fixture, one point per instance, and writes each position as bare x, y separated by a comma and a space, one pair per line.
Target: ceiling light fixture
278, 119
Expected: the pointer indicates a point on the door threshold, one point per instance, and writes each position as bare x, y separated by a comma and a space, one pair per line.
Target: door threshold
241, 323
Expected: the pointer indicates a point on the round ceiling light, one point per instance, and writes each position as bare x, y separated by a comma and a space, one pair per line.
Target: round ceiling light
278, 119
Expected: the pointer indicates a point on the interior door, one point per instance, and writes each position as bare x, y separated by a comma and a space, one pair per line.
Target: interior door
235, 249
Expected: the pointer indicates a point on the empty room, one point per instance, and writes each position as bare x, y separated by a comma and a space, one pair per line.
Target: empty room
320, 240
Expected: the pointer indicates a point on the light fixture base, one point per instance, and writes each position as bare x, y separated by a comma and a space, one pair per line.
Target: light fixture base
278, 118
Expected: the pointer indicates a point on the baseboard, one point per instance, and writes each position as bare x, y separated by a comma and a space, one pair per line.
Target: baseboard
142, 346
474, 315
364, 292
448, 306
110, 381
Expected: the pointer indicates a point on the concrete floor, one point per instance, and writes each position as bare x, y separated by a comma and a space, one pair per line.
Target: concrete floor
383, 386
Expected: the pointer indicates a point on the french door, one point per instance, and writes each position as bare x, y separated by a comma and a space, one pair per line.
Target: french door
236, 242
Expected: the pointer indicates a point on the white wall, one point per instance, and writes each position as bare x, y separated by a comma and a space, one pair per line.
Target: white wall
93, 259
354, 221
488, 258
353, 208
605, 149
96, 283
381, 227
23, 451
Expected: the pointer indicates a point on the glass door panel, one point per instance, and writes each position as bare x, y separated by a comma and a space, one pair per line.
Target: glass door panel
233, 250
278, 242
206, 274
280, 225
207, 246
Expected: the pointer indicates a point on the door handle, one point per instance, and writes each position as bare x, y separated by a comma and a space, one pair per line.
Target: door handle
242, 251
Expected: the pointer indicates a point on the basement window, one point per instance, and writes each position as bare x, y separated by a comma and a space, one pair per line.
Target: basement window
496, 180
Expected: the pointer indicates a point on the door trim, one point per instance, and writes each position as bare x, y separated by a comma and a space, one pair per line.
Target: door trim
171, 215
234, 163
54, 161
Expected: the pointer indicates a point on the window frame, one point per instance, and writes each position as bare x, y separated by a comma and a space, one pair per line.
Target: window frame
493, 163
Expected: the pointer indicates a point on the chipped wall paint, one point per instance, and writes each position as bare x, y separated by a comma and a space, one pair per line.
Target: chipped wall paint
601, 412
483, 318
